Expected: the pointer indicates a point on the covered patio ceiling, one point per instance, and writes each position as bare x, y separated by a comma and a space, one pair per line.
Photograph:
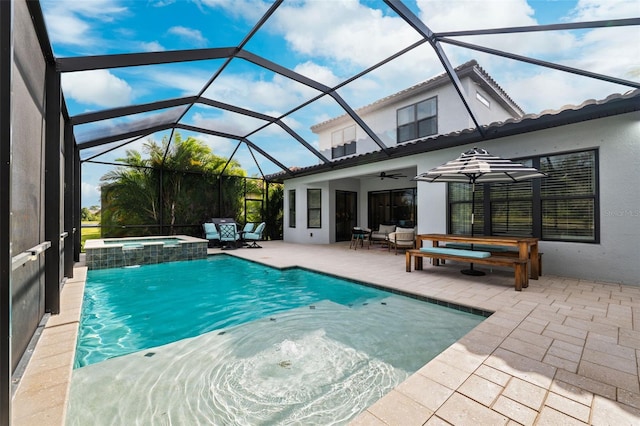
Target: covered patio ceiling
267, 71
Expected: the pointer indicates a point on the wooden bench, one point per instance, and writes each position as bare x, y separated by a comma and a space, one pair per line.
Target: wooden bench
438, 253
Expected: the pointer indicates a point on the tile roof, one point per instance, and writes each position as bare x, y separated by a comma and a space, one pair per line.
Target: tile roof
463, 70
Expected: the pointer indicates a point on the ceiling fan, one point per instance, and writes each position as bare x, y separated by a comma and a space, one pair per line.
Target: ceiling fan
385, 175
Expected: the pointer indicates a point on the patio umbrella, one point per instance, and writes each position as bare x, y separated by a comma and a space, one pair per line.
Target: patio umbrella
478, 166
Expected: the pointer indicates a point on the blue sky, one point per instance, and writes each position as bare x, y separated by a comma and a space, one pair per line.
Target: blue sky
329, 41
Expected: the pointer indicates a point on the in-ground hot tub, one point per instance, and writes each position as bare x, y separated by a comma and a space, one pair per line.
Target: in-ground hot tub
120, 252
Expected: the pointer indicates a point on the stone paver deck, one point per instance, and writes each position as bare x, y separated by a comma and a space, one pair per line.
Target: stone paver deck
562, 351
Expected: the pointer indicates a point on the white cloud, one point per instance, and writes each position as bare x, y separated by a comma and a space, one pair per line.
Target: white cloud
540, 91
257, 92
151, 46
68, 29
446, 15
595, 10
219, 146
228, 122
97, 87
68, 20
317, 72
611, 51
601, 54
188, 34
347, 32
90, 194
186, 79
249, 10
291, 122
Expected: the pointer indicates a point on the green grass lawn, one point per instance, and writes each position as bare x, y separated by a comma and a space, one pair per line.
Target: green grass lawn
88, 233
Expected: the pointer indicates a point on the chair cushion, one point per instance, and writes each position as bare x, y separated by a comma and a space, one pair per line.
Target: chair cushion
386, 229
256, 234
398, 229
485, 247
456, 252
210, 228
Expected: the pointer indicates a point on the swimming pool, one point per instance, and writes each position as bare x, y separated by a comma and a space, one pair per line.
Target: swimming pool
300, 347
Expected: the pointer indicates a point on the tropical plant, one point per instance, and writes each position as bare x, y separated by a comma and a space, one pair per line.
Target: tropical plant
275, 211
178, 183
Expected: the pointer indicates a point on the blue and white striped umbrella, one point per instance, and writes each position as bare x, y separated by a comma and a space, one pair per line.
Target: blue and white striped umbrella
478, 166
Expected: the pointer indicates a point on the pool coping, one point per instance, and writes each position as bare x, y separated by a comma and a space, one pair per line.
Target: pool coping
516, 366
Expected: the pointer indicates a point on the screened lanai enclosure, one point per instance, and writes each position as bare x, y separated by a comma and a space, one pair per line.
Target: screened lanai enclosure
99, 102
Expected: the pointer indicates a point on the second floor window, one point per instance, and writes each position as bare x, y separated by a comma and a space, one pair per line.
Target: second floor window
343, 142
418, 120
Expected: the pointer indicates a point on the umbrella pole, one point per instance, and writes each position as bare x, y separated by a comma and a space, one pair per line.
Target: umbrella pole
472, 271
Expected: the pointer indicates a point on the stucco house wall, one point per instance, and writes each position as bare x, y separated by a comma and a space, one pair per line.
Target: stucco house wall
452, 115
613, 259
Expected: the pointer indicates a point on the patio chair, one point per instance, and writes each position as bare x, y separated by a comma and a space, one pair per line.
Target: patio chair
382, 234
255, 236
404, 238
359, 236
228, 234
248, 227
211, 233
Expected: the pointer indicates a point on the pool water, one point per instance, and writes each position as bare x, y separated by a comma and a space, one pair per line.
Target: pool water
139, 242
129, 309
225, 341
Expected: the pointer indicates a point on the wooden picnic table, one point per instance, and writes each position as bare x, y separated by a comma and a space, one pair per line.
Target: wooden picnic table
527, 246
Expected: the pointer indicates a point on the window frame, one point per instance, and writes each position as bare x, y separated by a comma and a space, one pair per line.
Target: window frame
388, 213
483, 99
414, 124
316, 211
344, 147
292, 208
483, 206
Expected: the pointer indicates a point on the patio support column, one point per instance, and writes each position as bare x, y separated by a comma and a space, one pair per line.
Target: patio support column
77, 203
52, 193
161, 199
69, 211
6, 61
266, 207
219, 212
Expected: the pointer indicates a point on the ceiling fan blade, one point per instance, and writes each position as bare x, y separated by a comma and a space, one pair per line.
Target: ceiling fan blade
385, 175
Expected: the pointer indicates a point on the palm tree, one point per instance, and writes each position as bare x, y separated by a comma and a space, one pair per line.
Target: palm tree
175, 184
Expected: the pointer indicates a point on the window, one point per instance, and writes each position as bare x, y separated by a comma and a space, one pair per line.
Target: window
460, 209
561, 207
314, 208
569, 197
292, 208
343, 150
343, 142
484, 101
397, 206
418, 120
